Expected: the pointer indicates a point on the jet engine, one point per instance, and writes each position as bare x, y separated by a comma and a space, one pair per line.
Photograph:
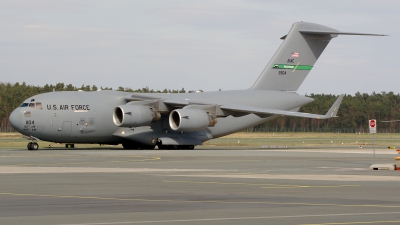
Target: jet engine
187, 120
134, 115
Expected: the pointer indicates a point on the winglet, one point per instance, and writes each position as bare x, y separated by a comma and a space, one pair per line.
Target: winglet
334, 109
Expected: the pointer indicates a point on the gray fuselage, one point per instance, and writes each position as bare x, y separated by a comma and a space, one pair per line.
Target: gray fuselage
86, 117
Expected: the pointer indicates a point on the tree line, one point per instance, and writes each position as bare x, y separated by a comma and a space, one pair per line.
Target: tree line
354, 112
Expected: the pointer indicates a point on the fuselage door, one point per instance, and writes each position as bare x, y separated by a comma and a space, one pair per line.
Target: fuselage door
66, 128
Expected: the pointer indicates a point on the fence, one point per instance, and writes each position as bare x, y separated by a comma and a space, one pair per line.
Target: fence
320, 130
6, 129
284, 129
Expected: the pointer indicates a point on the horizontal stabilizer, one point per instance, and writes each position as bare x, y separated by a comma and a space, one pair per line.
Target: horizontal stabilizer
336, 33
255, 110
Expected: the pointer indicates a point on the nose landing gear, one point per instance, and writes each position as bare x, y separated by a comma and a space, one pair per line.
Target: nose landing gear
33, 146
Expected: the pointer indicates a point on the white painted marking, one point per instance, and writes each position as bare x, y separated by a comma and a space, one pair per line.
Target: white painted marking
339, 151
325, 177
35, 170
236, 218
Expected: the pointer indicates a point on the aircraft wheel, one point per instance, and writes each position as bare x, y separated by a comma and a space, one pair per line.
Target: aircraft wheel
130, 146
187, 147
173, 147
148, 147
162, 147
166, 147
35, 146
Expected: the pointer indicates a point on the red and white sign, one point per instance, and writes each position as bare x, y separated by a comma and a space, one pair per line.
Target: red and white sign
372, 126
372, 123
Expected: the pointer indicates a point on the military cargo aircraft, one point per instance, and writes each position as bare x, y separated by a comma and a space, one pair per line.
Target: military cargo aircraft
184, 120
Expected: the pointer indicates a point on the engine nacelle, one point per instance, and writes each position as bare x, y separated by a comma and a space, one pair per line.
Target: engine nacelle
134, 115
188, 120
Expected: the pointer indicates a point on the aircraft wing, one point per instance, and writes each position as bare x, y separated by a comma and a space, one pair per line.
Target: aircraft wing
231, 109
248, 109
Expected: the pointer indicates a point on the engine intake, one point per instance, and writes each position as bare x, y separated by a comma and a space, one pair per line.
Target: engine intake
188, 120
134, 115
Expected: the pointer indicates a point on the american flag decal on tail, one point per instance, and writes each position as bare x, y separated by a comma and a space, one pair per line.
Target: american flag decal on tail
295, 55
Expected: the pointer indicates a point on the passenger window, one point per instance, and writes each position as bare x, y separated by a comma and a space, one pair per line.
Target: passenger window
32, 105
27, 114
38, 105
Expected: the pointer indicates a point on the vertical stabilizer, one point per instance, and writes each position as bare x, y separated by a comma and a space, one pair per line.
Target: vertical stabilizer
296, 56
294, 59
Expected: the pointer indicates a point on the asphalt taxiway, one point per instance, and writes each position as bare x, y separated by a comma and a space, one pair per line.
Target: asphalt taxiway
257, 186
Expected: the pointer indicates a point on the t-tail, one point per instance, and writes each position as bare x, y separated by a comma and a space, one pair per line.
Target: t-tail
296, 56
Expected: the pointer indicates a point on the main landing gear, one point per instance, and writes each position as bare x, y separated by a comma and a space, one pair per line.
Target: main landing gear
176, 147
135, 145
33, 146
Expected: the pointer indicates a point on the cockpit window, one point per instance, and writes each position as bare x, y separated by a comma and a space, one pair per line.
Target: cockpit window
38, 105
33, 105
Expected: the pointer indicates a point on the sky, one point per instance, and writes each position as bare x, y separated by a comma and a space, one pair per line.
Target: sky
195, 45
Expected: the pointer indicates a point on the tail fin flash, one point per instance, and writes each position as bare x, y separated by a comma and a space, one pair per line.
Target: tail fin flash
296, 56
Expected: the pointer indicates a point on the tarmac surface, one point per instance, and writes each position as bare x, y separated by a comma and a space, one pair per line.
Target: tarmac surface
265, 186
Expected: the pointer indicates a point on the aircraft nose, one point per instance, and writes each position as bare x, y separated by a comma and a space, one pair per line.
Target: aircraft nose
15, 119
